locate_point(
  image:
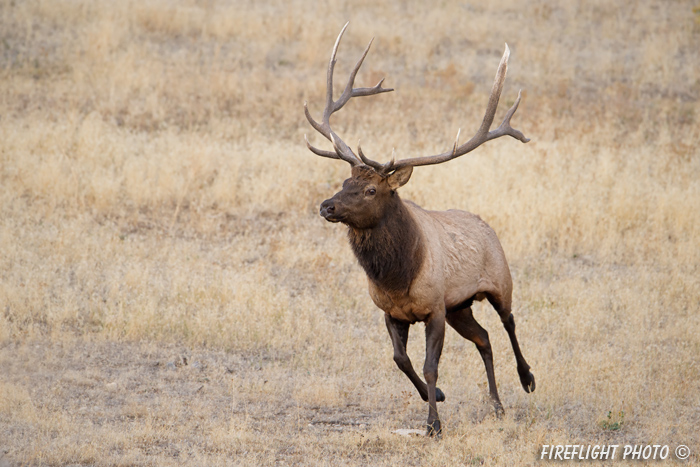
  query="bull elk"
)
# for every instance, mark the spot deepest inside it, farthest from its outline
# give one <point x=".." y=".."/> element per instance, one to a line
<point x="421" y="265"/>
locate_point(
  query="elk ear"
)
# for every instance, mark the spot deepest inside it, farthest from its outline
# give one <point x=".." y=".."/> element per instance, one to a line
<point x="400" y="177"/>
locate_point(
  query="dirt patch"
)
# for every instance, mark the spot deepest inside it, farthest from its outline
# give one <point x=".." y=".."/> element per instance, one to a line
<point x="96" y="403"/>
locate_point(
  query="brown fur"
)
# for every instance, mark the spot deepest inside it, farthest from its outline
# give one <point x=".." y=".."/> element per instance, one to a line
<point x="391" y="253"/>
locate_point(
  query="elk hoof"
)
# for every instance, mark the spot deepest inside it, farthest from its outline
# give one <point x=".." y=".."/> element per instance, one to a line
<point x="434" y="429"/>
<point x="498" y="408"/>
<point x="439" y="396"/>
<point x="527" y="379"/>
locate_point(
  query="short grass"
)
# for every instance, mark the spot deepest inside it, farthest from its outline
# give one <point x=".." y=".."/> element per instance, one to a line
<point x="169" y="294"/>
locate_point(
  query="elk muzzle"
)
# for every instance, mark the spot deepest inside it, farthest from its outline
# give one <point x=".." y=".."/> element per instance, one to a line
<point x="328" y="211"/>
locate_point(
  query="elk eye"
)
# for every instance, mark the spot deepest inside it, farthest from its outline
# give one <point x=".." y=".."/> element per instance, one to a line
<point x="371" y="192"/>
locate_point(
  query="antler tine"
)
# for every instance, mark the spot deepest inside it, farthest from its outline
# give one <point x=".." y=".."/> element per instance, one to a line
<point x="320" y="152"/>
<point x="329" y="77"/>
<point x="483" y="134"/>
<point x="505" y="129"/>
<point x="381" y="168"/>
<point x="317" y="126"/>
<point x="495" y="93"/>
<point x="358" y="92"/>
<point x="454" y="148"/>
<point x="327" y="132"/>
<point x="362" y="155"/>
<point x="343" y="150"/>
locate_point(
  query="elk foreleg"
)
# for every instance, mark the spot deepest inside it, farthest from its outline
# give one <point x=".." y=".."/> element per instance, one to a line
<point x="398" y="331"/>
<point x="434" y="338"/>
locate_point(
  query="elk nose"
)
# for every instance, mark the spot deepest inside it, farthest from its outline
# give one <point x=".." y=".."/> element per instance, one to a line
<point x="327" y="208"/>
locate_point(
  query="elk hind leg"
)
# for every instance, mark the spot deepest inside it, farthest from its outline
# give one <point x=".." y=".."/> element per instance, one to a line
<point x="527" y="379"/>
<point x="462" y="320"/>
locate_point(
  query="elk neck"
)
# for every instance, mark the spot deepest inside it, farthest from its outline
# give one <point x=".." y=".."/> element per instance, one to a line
<point x="391" y="253"/>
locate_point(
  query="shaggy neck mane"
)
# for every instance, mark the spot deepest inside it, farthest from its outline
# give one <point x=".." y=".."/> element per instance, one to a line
<point x="390" y="253"/>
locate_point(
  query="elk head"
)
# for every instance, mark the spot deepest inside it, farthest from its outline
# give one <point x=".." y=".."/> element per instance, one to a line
<point x="371" y="190"/>
<point x="365" y="197"/>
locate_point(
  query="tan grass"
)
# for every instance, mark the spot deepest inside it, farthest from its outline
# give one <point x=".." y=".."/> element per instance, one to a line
<point x="155" y="191"/>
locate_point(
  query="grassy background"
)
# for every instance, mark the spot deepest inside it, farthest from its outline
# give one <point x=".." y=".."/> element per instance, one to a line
<point x="157" y="199"/>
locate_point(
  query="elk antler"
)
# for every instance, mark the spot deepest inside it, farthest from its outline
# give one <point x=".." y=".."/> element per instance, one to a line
<point x="482" y="135"/>
<point x="342" y="151"/>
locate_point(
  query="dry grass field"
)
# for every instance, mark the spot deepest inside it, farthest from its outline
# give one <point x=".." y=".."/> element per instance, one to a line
<point x="170" y="296"/>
